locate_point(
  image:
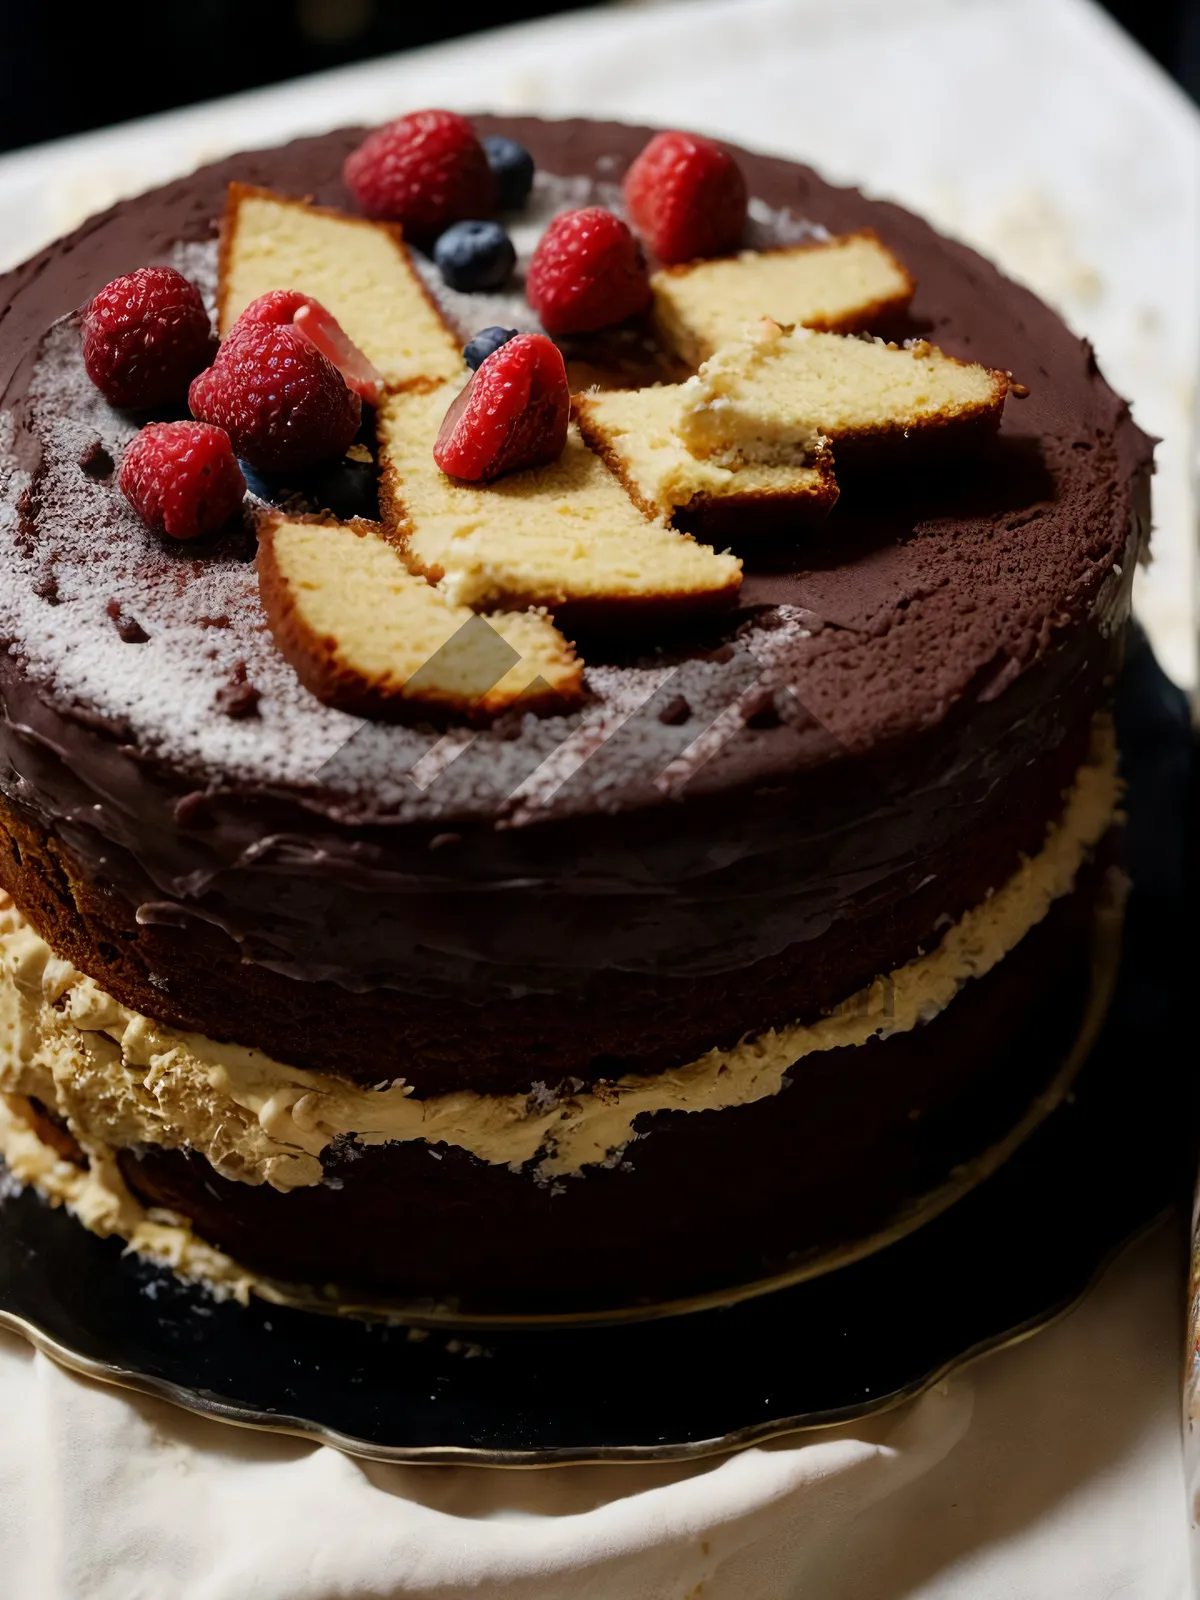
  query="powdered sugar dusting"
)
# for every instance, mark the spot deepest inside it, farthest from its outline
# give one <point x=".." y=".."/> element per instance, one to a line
<point x="84" y="563"/>
<point x="769" y="228"/>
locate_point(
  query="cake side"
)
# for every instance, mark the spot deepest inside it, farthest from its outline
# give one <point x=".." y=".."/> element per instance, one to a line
<point x="222" y="1135"/>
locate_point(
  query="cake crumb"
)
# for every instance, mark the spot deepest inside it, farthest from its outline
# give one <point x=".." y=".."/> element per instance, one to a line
<point x="129" y="628"/>
<point x="239" y="697"/>
<point x="95" y="460"/>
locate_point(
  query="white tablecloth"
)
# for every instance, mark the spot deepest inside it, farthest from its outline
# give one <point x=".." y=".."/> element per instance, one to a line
<point x="1047" y="1472"/>
<point x="1050" y="1471"/>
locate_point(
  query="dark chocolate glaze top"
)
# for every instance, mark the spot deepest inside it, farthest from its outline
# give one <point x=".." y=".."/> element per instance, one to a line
<point x="930" y="641"/>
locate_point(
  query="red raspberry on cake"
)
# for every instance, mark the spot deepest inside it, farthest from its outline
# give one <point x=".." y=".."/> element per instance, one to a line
<point x="686" y="197"/>
<point x="145" y="337"/>
<point x="512" y="414"/>
<point x="182" y="478"/>
<point x="425" y="171"/>
<point x="587" y="273"/>
<point x="290" y="308"/>
<point x="284" y="405"/>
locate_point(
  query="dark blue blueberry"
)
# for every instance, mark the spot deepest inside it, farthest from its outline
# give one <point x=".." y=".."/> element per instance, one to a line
<point x="344" y="487"/>
<point x="265" y="488"/>
<point x="512" y="166"/>
<point x="475" y="255"/>
<point x="477" y="350"/>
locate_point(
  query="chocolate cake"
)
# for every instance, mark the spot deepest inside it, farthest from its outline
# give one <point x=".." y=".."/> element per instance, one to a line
<point x="661" y="996"/>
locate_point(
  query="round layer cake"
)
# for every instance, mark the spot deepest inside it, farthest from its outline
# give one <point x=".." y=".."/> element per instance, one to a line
<point x="641" y="1002"/>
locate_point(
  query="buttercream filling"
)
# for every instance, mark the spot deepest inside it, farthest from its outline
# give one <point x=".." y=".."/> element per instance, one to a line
<point x="119" y="1079"/>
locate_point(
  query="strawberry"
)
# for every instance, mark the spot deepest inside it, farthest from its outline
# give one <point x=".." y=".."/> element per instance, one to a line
<point x="284" y="405"/>
<point x="182" y="478"/>
<point x="587" y="273"/>
<point x="290" y="308"/>
<point x="686" y="197"/>
<point x="278" y="307"/>
<point x="425" y="171"/>
<point x="512" y="414"/>
<point x="145" y="337"/>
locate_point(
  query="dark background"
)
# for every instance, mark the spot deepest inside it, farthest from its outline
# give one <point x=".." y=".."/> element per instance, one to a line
<point x="68" y="67"/>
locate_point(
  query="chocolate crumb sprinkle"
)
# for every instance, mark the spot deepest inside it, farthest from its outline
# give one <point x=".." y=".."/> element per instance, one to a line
<point x="675" y="712"/>
<point x="760" y="711"/>
<point x="238" y="698"/>
<point x="95" y="460"/>
<point x="128" y="628"/>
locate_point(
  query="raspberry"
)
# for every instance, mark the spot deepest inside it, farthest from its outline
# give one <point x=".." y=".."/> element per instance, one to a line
<point x="425" y="171"/>
<point x="182" y="478"/>
<point x="145" y="337"/>
<point x="587" y="273"/>
<point x="288" y="307"/>
<point x="686" y="197"/>
<point x="284" y="404"/>
<point x="512" y="414"/>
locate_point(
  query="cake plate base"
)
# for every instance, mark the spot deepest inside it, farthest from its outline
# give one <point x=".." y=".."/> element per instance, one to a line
<point x="1005" y="1260"/>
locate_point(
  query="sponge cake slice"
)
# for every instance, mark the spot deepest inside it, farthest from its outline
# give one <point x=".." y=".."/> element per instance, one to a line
<point x="634" y="430"/>
<point x="365" y="634"/>
<point x="768" y="396"/>
<point x="565" y="536"/>
<point x="360" y="271"/>
<point x="842" y="285"/>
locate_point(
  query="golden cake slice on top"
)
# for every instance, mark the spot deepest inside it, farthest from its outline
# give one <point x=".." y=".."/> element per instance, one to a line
<point x="360" y="271"/>
<point x="841" y="285"/>
<point x="565" y="536"/>
<point x="772" y="395"/>
<point x="368" y="636"/>
<point x="635" y="431"/>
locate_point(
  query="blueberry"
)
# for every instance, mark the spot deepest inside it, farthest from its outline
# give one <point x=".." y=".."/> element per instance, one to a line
<point x="345" y="487"/>
<point x="475" y="255"/>
<point x="512" y="167"/>
<point x="476" y="352"/>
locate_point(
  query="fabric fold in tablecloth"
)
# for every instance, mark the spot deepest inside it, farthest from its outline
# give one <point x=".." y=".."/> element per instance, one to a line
<point x="1049" y="1471"/>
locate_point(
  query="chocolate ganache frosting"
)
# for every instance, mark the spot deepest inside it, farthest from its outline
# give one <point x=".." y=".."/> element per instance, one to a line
<point x="742" y="828"/>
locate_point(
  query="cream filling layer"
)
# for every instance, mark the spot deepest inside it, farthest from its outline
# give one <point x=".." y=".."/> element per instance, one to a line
<point x="120" y="1079"/>
<point x="99" y="1198"/>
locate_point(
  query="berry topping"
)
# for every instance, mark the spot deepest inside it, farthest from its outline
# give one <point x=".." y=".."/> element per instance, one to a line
<point x="475" y="255"/>
<point x="477" y="350"/>
<point x="288" y="307"/>
<point x="512" y="168"/>
<point x="145" y="337"/>
<point x="587" y="272"/>
<point x="686" y="197"/>
<point x="512" y="414"/>
<point x="425" y="171"/>
<point x="283" y="403"/>
<point x="181" y="478"/>
<point x="278" y="308"/>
